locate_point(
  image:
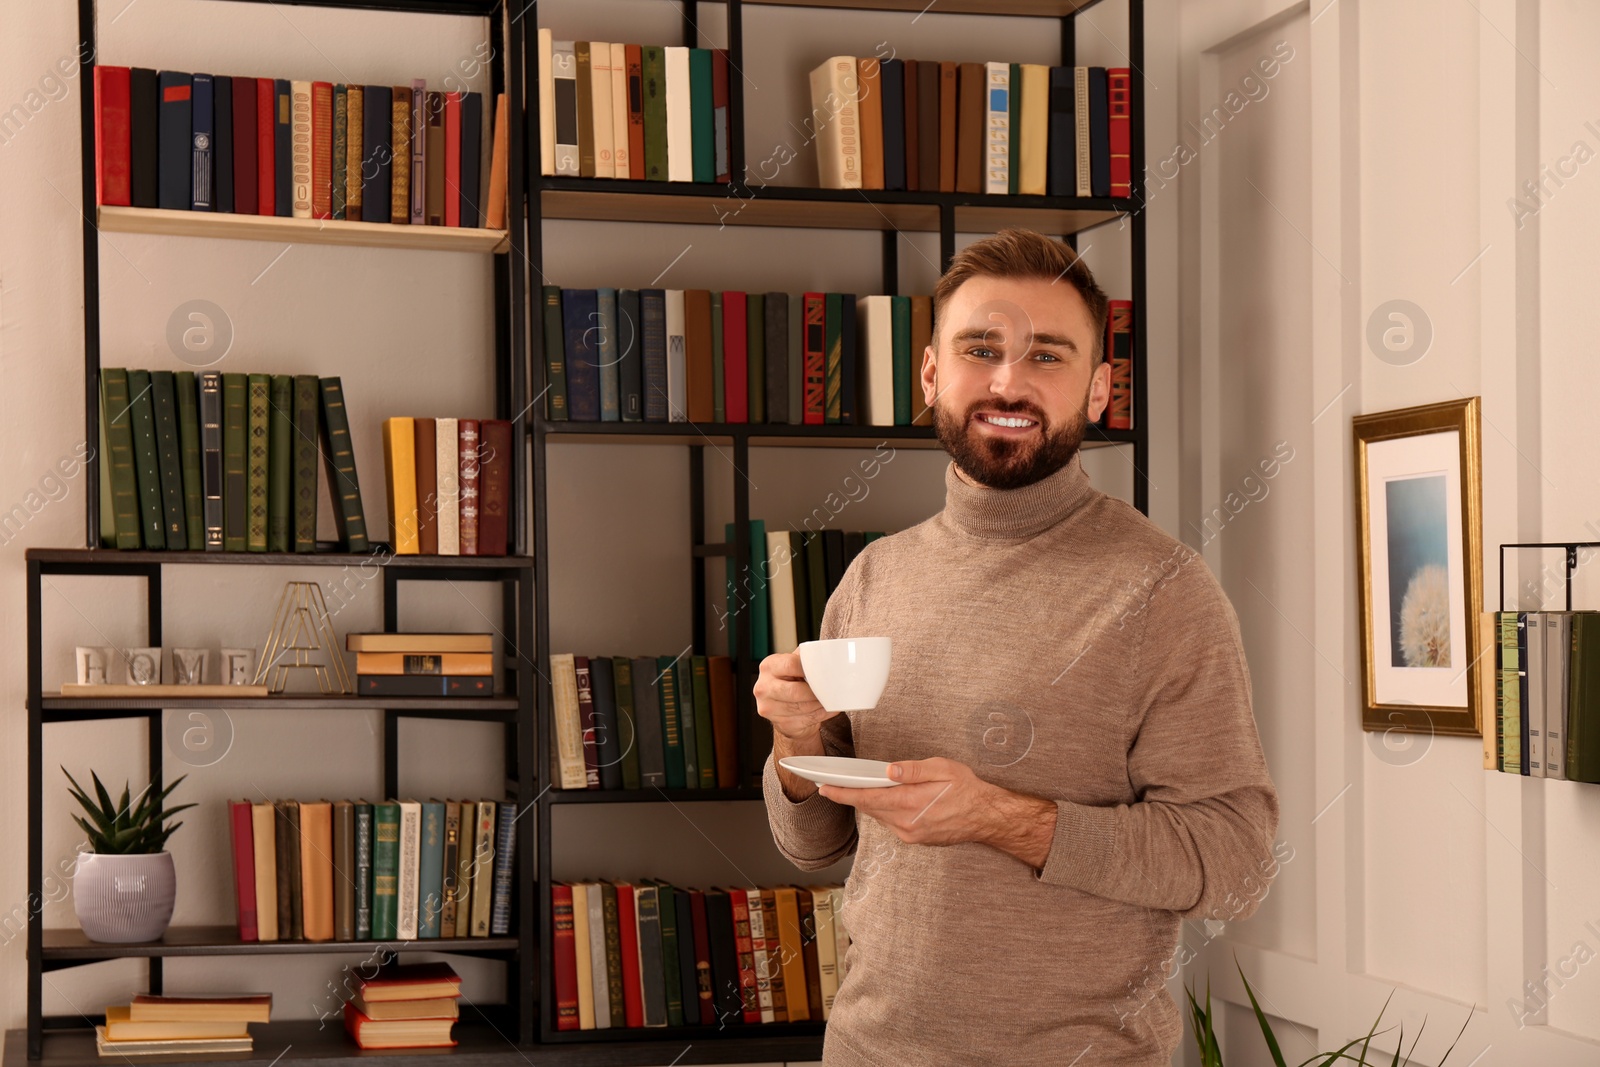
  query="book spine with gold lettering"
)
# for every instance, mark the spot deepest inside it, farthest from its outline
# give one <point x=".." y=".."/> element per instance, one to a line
<point x="305" y="462"/>
<point x="322" y="150"/>
<point x="339" y="452"/>
<point x="259" y="400"/>
<point x="280" y="465"/>
<point x="400" y="175"/>
<point x="300" y="119"/>
<point x="385" y="870"/>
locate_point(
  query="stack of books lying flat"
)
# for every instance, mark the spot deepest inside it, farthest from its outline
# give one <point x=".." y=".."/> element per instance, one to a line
<point x="153" y="1025"/>
<point x="405" y="1006"/>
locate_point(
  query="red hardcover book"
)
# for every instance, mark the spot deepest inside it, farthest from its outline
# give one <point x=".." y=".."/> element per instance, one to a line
<point x="719" y="108"/>
<point x="494" y="487"/>
<point x="452" y="161"/>
<point x="815" y="359"/>
<point x="322" y="150"/>
<point x="410" y="981"/>
<point x="635" y="112"/>
<point x="747" y="955"/>
<point x="429" y="1033"/>
<point x="565" y="958"/>
<point x="1119" y="350"/>
<point x="628" y="926"/>
<point x="735" y="358"/>
<point x="113" y="168"/>
<point x="245" y="106"/>
<point x="702" y="959"/>
<point x="1119" y="93"/>
<point x="467" y="432"/>
<point x="266" y="172"/>
<point x="591" y="747"/>
<point x="242" y="837"/>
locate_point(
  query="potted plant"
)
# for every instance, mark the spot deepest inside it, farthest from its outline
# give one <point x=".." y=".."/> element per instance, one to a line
<point x="124" y="888"/>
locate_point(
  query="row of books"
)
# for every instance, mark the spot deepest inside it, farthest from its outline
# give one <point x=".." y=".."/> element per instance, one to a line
<point x="153" y="1025"/>
<point x="412" y="1005"/>
<point x="301" y="149"/>
<point x="423" y="665"/>
<point x="1003" y="128"/>
<point x="649" y="954"/>
<point x="223" y="462"/>
<point x="698" y="355"/>
<point x="450" y="485"/>
<point x="644" y="112"/>
<point x="350" y="870"/>
<point x="785" y="590"/>
<point x="1546" y="693"/>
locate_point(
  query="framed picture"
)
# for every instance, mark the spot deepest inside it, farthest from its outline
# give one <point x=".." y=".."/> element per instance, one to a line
<point x="1419" y="513"/>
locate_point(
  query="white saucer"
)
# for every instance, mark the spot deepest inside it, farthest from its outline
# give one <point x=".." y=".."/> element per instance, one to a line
<point x="841" y="770"/>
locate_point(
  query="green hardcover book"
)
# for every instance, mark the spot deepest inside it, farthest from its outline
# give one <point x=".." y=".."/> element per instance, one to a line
<point x="189" y="443"/>
<point x="719" y="401"/>
<point x="108" y="515"/>
<point x="683" y="679"/>
<point x="430" y="870"/>
<point x="341" y="147"/>
<point x="756" y="355"/>
<point x="613" y="942"/>
<point x="803" y="629"/>
<point x="280" y="466"/>
<point x="671" y="738"/>
<point x="669" y="954"/>
<point x="259" y="400"/>
<point x="169" y="458"/>
<point x="235" y="435"/>
<point x="869" y="536"/>
<point x="385" y="871"/>
<point x="146" y="461"/>
<point x="1511" y="705"/>
<point x="833" y="377"/>
<point x="705" y="749"/>
<point x="622" y="669"/>
<point x="1583" y="699"/>
<point x="735" y="603"/>
<point x="1014" y="128"/>
<point x="120" y="458"/>
<point x="702" y="116"/>
<point x="653" y="66"/>
<point x="306" y="402"/>
<point x="555" y="356"/>
<point x="760" y="617"/>
<point x="817" y="578"/>
<point x="340" y="456"/>
<point x="900" y="331"/>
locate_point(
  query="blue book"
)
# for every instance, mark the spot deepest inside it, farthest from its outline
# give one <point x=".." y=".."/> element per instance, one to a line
<point x="579" y="315"/>
<point x="430" y="870"/>
<point x="222" y="143"/>
<point x="607" y="354"/>
<point x="630" y="355"/>
<point x="653" y="334"/>
<point x="174" y="122"/>
<point x="282" y="149"/>
<point x="1099" y="133"/>
<point x="683" y="679"/>
<point x="377" y="151"/>
<point x="505" y="851"/>
<point x="200" y="125"/>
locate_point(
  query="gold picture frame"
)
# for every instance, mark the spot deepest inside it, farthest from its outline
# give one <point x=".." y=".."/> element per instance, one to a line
<point x="1421" y="567"/>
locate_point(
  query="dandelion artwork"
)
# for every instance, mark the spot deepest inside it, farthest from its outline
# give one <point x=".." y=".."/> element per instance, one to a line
<point x="1419" y="574"/>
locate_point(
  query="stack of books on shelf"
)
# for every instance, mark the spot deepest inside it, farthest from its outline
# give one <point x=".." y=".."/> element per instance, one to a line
<point x="644" y="112"/>
<point x="648" y="953"/>
<point x="405" y="1006"/>
<point x="223" y="462"/>
<point x="450" y="485"/>
<point x="1000" y="128"/>
<point x="159" y="1025"/>
<point x="1544" y="688"/>
<point x="423" y="665"/>
<point x="300" y="149"/>
<point x="350" y="870"/>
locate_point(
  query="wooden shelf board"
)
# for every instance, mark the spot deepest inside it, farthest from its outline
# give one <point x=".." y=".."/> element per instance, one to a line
<point x="1026" y="8"/>
<point x="650" y="795"/>
<point x="299" y="231"/>
<point x="289" y="701"/>
<point x="380" y="557"/>
<point x="768" y="436"/>
<point x="72" y="944"/>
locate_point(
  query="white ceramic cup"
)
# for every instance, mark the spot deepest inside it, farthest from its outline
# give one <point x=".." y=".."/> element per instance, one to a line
<point x="846" y="674"/>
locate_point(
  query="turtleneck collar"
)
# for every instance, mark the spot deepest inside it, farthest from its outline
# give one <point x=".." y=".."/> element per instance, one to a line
<point x="1014" y="514"/>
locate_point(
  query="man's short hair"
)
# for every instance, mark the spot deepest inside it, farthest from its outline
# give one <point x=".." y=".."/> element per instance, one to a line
<point x="1015" y="253"/>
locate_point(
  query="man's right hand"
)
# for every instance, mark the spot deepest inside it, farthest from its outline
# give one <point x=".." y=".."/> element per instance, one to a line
<point x="784" y="699"/>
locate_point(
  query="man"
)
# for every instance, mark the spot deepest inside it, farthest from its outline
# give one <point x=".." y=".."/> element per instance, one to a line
<point x="1068" y="712"/>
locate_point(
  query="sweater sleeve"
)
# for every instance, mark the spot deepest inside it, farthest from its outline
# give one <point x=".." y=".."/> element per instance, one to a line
<point x="1198" y="841"/>
<point x="817" y="833"/>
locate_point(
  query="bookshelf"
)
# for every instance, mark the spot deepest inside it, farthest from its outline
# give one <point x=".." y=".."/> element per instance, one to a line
<point x="756" y="206"/>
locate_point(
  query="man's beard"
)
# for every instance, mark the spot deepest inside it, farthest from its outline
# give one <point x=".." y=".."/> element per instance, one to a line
<point x="1000" y="463"/>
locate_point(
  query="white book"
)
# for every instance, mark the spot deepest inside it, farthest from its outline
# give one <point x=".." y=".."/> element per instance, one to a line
<point x="827" y="958"/>
<point x="875" y="356"/>
<point x="580" y="931"/>
<point x="780" y="586"/>
<point x="1034" y="118"/>
<point x="619" y="109"/>
<point x="677" y="360"/>
<point x="547" y="105"/>
<point x="300" y="147"/>
<point x="569" y="728"/>
<point x="1535" y="667"/>
<point x="600" y="111"/>
<point x="841" y="936"/>
<point x="447" y="491"/>
<point x="763" y="961"/>
<point x="997" y="129"/>
<point x="410" y="854"/>
<point x="680" y="125"/>
<point x="835" y="123"/>
<point x="1558" y="651"/>
<point x="1080" y="127"/>
<point x="597" y="957"/>
<point x="564" y="120"/>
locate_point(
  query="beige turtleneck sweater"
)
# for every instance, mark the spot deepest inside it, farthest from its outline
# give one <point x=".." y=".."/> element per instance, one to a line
<point x="1063" y="646"/>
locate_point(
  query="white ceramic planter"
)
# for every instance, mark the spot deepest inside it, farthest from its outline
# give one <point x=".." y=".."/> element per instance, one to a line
<point x="121" y="899"/>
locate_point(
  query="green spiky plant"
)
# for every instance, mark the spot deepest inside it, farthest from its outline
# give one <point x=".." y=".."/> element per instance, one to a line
<point x="124" y="828"/>
<point x="1211" y="1056"/>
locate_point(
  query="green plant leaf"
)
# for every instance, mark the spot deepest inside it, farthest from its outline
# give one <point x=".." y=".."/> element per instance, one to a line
<point x="1457" y="1041"/>
<point x="105" y="798"/>
<point x="1261" y="1018"/>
